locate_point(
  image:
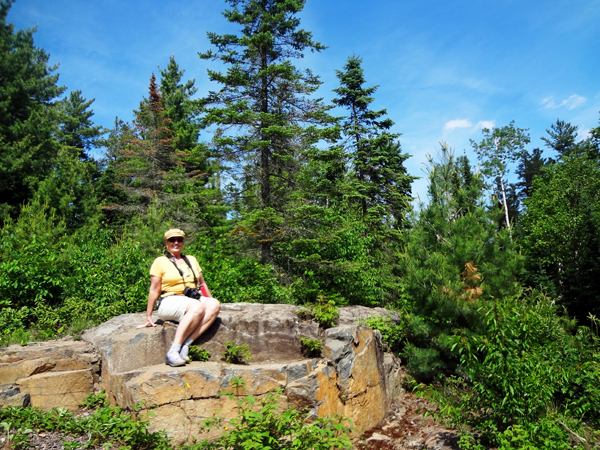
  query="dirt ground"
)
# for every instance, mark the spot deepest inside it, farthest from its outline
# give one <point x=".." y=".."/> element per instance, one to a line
<point x="406" y="427"/>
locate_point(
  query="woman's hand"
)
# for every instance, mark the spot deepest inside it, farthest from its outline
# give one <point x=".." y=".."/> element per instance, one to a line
<point x="155" y="286"/>
<point x="148" y="323"/>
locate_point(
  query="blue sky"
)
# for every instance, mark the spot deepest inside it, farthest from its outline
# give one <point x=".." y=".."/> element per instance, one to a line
<point x="444" y="68"/>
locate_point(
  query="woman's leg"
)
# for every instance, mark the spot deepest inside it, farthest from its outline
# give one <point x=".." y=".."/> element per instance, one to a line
<point x="191" y="320"/>
<point x="212" y="307"/>
<point x="198" y="317"/>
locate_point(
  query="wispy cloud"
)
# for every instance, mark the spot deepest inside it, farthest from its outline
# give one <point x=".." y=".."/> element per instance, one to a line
<point x="489" y="124"/>
<point x="466" y="123"/>
<point x="570" y="103"/>
<point x="458" y="123"/>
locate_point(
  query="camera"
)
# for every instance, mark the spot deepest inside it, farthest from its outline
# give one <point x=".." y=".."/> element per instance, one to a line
<point x="192" y="293"/>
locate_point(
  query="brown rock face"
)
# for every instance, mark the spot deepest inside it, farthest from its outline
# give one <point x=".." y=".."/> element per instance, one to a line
<point x="58" y="389"/>
<point x="48" y="374"/>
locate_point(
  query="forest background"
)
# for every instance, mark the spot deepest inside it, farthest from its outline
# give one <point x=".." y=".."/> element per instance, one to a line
<point x="298" y="200"/>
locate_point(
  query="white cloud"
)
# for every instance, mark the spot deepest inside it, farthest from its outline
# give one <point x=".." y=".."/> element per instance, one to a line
<point x="489" y="124"/>
<point x="570" y="103"/>
<point x="458" y="123"/>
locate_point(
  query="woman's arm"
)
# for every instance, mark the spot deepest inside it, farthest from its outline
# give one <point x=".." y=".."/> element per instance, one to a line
<point x="202" y="282"/>
<point x="155" y="288"/>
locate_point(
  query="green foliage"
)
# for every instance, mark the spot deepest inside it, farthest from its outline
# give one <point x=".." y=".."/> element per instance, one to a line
<point x="61" y="282"/>
<point x="562" y="233"/>
<point x="236" y="354"/>
<point x="197" y="353"/>
<point x="311" y="347"/>
<point x="235" y="277"/>
<point x="325" y="312"/>
<point x="268" y="102"/>
<point x="14" y="438"/>
<point x="107" y="426"/>
<point x="95" y="400"/>
<point x="525" y="379"/>
<point x="28" y="118"/>
<point x="393" y="334"/>
<point x="380" y="184"/>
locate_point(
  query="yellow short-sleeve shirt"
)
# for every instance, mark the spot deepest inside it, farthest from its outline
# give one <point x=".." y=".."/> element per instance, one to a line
<point x="172" y="283"/>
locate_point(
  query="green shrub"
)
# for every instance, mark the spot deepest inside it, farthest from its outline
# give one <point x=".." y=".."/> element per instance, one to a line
<point x="197" y="353"/>
<point x="105" y="426"/>
<point x="326" y="313"/>
<point x="236" y="354"/>
<point x="311" y="347"/>
<point x="393" y="335"/>
<point x="524" y="376"/>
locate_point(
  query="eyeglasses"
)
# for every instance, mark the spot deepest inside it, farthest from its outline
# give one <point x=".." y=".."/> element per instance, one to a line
<point x="176" y="239"/>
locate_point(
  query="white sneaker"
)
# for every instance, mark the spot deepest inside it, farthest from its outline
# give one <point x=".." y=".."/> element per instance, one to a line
<point x="174" y="360"/>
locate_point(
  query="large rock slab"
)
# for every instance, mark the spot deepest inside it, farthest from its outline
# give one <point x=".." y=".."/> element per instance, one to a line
<point x="18" y="361"/>
<point x="353" y="377"/>
<point x="49" y="374"/>
<point x="58" y="389"/>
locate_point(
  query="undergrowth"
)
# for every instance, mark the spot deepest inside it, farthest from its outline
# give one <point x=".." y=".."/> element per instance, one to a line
<point x="258" y="425"/>
<point x="107" y="426"/>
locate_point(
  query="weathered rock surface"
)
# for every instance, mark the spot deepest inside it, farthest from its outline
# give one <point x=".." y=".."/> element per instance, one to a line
<point x="353" y="377"/>
<point x="48" y="374"/>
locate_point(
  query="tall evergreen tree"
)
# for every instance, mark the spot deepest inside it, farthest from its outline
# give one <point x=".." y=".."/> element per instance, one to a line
<point x="179" y="106"/>
<point x="76" y="127"/>
<point x="265" y="102"/>
<point x="28" y="117"/>
<point x="455" y="260"/>
<point x="382" y="184"/>
<point x="562" y="233"/>
<point x="148" y="158"/>
<point x="530" y="166"/>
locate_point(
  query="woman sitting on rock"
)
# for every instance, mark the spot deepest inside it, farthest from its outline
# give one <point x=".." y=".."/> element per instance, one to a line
<point x="170" y="275"/>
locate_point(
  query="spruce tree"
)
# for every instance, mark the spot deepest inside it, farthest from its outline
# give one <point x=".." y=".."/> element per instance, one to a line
<point x="76" y="127"/>
<point x="180" y="108"/>
<point x="264" y="113"/>
<point x="382" y="185"/>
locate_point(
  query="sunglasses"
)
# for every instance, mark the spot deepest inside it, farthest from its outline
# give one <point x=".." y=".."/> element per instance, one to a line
<point x="176" y="239"/>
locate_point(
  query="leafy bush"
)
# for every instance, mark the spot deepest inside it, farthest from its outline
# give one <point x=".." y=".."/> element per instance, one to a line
<point x="106" y="426"/>
<point x="311" y="347"/>
<point x="326" y="313"/>
<point x="393" y="335"/>
<point x="523" y="376"/>
<point x="236" y="354"/>
<point x="197" y="353"/>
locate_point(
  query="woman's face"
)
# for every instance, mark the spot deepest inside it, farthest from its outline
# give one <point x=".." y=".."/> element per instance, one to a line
<point x="175" y="244"/>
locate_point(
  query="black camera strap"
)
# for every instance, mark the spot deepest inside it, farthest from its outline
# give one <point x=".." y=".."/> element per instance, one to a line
<point x="187" y="261"/>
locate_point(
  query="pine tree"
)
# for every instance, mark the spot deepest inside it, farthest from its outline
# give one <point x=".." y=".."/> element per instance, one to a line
<point x="265" y="102"/>
<point x="179" y="107"/>
<point x="455" y="260"/>
<point x="28" y="117"/>
<point x="147" y="159"/>
<point x="562" y="138"/>
<point x="530" y="166"/>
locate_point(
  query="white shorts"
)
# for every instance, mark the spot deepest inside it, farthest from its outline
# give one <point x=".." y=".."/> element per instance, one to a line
<point x="173" y="307"/>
